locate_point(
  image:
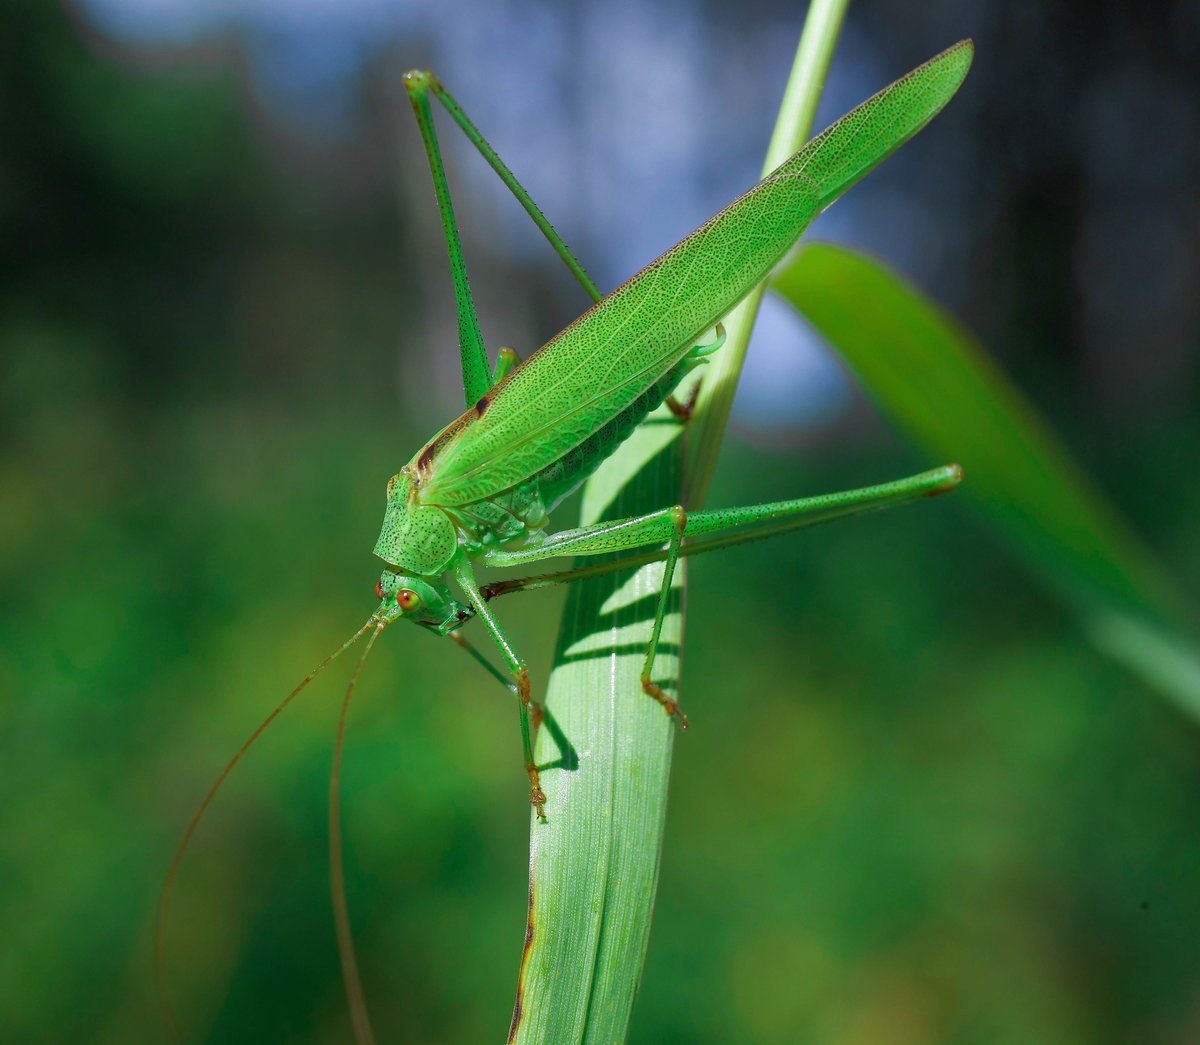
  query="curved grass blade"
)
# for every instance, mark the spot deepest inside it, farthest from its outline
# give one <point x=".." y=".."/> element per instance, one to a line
<point x="593" y="871"/>
<point x="605" y="752"/>
<point x="936" y="382"/>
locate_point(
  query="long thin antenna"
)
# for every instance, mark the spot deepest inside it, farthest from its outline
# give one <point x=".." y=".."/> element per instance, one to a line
<point x="164" y="898"/>
<point x="359" y="1017"/>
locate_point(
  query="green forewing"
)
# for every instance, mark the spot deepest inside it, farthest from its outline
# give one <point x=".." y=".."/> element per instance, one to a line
<point x="598" y="365"/>
<point x="848" y="150"/>
<point x="609" y="356"/>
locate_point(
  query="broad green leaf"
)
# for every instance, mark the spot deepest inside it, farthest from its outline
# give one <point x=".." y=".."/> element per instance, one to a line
<point x="936" y="383"/>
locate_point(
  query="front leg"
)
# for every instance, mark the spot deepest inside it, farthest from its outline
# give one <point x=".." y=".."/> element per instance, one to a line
<point x="461" y="642"/>
<point x="526" y="707"/>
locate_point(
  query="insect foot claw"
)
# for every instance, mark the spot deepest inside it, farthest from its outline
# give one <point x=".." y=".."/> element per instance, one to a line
<point x="670" y="704"/>
<point x="537" y="799"/>
<point x="683" y="411"/>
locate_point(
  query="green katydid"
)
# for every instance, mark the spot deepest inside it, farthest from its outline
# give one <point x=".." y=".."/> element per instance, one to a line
<point x="481" y="490"/>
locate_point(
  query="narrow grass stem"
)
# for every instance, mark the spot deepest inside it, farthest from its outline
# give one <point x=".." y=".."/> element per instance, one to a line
<point x="793" y="127"/>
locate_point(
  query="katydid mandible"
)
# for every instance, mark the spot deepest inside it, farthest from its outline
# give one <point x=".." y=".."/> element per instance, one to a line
<point x="482" y="489"/>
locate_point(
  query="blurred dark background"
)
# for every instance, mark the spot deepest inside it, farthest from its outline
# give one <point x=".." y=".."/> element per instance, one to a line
<point x="916" y="807"/>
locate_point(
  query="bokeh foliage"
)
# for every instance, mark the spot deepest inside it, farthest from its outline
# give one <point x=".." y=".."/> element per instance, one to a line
<point x="927" y="810"/>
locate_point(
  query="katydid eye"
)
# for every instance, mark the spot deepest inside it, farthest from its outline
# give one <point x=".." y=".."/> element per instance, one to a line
<point x="379" y="589"/>
<point x="407" y="599"/>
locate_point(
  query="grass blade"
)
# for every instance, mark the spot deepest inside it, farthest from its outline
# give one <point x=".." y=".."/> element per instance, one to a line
<point x="937" y="384"/>
<point x="594" y="867"/>
<point x="607" y="752"/>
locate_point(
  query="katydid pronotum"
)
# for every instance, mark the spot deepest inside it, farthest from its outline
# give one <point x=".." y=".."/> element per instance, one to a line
<point x="481" y="490"/>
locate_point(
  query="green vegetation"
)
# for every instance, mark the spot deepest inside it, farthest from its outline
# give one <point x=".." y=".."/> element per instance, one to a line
<point x="914" y="803"/>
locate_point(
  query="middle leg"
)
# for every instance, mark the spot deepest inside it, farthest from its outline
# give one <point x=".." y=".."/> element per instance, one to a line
<point x="649" y="686"/>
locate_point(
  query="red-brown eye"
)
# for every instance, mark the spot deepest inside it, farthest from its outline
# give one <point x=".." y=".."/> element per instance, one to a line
<point x="379" y="589"/>
<point x="407" y="599"/>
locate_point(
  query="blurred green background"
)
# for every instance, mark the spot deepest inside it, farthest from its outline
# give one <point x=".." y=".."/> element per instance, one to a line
<point x="914" y="805"/>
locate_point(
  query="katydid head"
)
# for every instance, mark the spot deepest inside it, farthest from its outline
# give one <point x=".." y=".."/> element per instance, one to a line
<point x="422" y="600"/>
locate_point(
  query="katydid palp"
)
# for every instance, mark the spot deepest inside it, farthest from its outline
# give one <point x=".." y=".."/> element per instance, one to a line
<point x="481" y="491"/>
